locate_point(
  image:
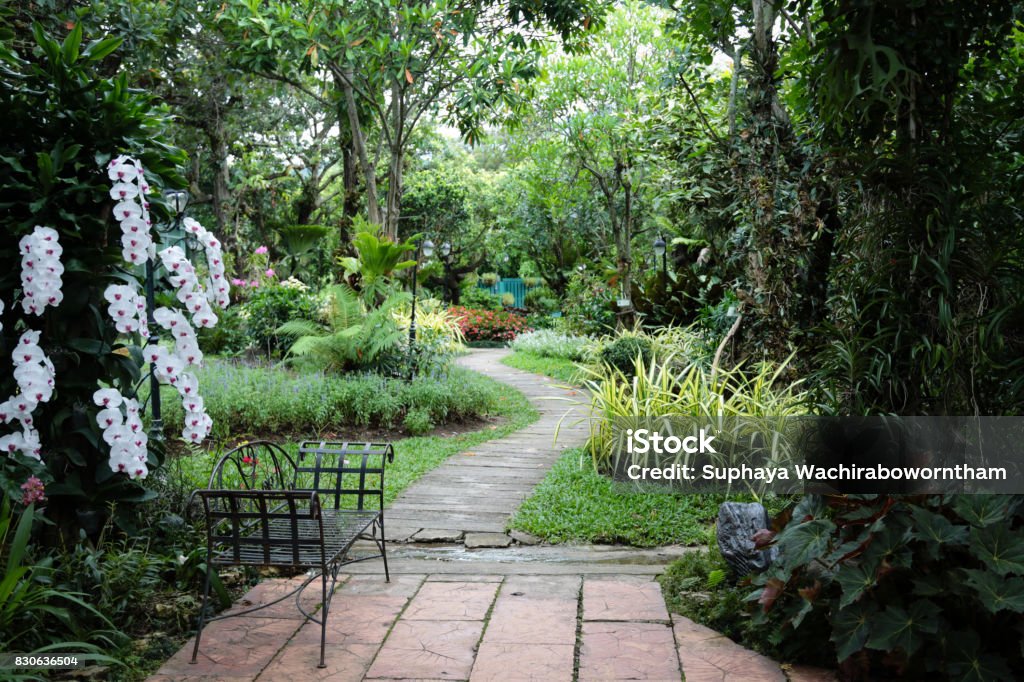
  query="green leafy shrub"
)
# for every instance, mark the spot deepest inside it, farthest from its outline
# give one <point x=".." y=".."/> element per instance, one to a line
<point x="479" y="298"/>
<point x="418" y="421"/>
<point x="541" y="299"/>
<point x="508" y="299"/>
<point x="552" y="344"/>
<point x="665" y="387"/>
<point x="248" y="401"/>
<point x="229" y="337"/>
<point x="490" y="278"/>
<point x="624" y="351"/>
<point x="916" y="587"/>
<point x="33" y="612"/>
<point x="589" y="305"/>
<point x="269" y="307"/>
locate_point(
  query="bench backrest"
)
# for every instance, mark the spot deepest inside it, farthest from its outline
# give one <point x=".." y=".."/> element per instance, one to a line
<point x="346" y="475"/>
<point x="259" y="465"/>
<point x="263" y="527"/>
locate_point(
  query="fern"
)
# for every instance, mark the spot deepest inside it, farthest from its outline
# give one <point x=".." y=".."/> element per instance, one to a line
<point x="353" y="338"/>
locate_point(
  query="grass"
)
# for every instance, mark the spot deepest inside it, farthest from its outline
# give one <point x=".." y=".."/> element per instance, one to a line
<point x="576" y="504"/>
<point x="413" y="456"/>
<point x="556" y="368"/>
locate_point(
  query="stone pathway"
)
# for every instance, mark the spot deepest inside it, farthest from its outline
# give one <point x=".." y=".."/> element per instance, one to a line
<point x="468" y="606"/>
<point x="471" y="496"/>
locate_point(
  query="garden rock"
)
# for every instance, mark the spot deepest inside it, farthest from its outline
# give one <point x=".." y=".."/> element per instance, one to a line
<point x="737" y="523"/>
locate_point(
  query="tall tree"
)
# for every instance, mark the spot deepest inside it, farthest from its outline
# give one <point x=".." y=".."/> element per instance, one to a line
<point x="394" y="62"/>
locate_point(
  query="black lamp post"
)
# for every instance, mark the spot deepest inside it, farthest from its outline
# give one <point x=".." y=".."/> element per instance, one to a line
<point x="446" y="260"/>
<point x="661" y="251"/>
<point x="177" y="200"/>
<point x="427" y="250"/>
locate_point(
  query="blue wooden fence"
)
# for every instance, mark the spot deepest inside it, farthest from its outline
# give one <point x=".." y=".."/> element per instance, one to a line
<point x="509" y="285"/>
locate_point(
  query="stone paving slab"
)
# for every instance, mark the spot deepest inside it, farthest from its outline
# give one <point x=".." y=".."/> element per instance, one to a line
<point x="627" y="651"/>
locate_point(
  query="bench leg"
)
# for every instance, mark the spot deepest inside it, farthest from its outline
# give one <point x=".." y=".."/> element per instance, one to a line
<point x="326" y="605"/>
<point x="383" y="549"/>
<point x="202" y="613"/>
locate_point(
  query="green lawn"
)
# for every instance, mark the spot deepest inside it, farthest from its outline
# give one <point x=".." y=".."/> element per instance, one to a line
<point x="576" y="504"/>
<point x="557" y="368"/>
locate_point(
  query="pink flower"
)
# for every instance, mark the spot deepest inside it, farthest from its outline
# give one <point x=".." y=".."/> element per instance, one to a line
<point x="269" y="272"/>
<point x="238" y="282"/>
<point x="255" y="283"/>
<point x="33" y="491"/>
<point x="261" y="250"/>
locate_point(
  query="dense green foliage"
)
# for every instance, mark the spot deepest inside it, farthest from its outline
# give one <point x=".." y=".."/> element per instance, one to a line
<point x="912" y="586"/>
<point x="267" y="308"/>
<point x="253" y="401"/>
<point x="548" y="343"/>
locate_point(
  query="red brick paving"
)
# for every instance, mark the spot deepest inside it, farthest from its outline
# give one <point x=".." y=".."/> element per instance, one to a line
<point x="480" y="628"/>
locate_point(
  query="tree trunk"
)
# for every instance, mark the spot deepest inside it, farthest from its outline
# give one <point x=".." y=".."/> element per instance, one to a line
<point x="394" y="197"/>
<point x="358" y="137"/>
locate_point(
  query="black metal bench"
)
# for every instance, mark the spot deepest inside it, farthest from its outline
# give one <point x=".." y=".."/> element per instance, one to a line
<point x="265" y="508"/>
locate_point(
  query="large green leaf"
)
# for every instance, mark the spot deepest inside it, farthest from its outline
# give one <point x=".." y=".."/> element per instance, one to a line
<point x="805" y="542"/>
<point x="997" y="593"/>
<point x="853" y="580"/>
<point x="983" y="510"/>
<point x="968" y="662"/>
<point x="999" y="547"/>
<point x="851" y="628"/>
<point x="935" y="530"/>
<point x="897" y="627"/>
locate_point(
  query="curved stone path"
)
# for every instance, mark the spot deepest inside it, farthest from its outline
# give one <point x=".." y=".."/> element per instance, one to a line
<point x="464" y="605"/>
<point x="471" y="496"/>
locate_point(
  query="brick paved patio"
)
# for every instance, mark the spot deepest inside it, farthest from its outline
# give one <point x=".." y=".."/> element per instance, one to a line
<point x="476" y="627"/>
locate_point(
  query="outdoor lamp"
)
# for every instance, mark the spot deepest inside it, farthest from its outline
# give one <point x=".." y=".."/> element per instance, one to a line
<point x="177" y="199"/>
<point x="661" y="252"/>
<point x="659" y="247"/>
<point x="446" y="250"/>
<point x="428" y="249"/>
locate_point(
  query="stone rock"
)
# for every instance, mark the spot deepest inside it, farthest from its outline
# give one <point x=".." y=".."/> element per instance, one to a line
<point x="737" y="523"/>
<point x="437" y="535"/>
<point x="486" y="540"/>
<point x="525" y="538"/>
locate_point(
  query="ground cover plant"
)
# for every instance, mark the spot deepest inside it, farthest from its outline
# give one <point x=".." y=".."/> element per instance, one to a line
<point x="557" y="368"/>
<point x="575" y="503"/>
<point x="247" y="401"/>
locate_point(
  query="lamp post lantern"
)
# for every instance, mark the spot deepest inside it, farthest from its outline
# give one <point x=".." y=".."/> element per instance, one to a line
<point x="427" y="250"/>
<point x="445" y="250"/>
<point x="177" y="201"/>
<point x="661" y="251"/>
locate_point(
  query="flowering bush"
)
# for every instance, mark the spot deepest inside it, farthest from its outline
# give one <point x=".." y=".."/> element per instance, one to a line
<point x="488" y="325"/>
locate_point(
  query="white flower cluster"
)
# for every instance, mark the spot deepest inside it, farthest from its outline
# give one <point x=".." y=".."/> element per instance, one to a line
<point x="41" y="270"/>
<point x="183" y="277"/>
<point x="132" y="210"/>
<point x="292" y="283"/>
<point x="127" y="308"/>
<point x="128" y="450"/>
<point x="216" y="286"/>
<point x="35" y="376"/>
<point x="123" y="432"/>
